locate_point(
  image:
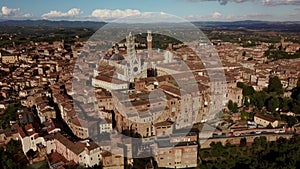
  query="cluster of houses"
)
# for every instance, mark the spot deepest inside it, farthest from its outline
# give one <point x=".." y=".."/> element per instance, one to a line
<point x="119" y="96"/>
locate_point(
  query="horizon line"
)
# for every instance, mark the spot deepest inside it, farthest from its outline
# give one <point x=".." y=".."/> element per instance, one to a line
<point x="112" y="21"/>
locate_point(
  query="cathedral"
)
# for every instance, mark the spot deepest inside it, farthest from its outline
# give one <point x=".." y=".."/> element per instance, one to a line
<point x="131" y="66"/>
<point x="134" y="64"/>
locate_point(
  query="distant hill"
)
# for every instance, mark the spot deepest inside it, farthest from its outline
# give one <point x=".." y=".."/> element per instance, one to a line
<point x="255" y="25"/>
<point x="48" y="23"/>
<point x="248" y="24"/>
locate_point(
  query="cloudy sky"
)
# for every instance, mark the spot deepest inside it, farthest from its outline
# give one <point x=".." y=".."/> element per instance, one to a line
<point x="194" y="10"/>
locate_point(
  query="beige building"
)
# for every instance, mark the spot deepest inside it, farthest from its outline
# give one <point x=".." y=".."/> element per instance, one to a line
<point x="164" y="128"/>
<point x="11" y="58"/>
<point x="29" y="138"/>
<point x="113" y="160"/>
<point x="236" y="95"/>
<point x="86" y="153"/>
<point x="109" y="83"/>
<point x="83" y="128"/>
<point x="265" y="120"/>
<point x="177" y="155"/>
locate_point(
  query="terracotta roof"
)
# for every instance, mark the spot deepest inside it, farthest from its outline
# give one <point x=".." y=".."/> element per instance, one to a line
<point x="76" y="148"/>
<point x="21" y="132"/>
<point x="109" y="79"/>
<point x="164" y="123"/>
<point x="27" y="130"/>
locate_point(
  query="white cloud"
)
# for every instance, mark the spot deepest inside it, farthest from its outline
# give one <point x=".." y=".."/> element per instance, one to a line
<point x="113" y="14"/>
<point x="26" y="15"/>
<point x="216" y="15"/>
<point x="222" y="2"/>
<point x="13" y="13"/>
<point x="281" y="2"/>
<point x="264" y="2"/>
<point x="9" y="11"/>
<point x="58" y="14"/>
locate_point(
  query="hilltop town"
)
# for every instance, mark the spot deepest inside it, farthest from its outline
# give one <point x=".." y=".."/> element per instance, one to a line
<point x="63" y="105"/>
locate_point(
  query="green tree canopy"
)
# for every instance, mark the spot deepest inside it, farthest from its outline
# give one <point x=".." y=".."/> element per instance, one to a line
<point x="230" y="105"/>
<point x="247" y="90"/>
<point x="233" y="107"/>
<point x="272" y="104"/>
<point x="259" y="99"/>
<point x="275" y="85"/>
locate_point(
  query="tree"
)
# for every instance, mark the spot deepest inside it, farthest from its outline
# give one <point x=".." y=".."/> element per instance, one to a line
<point x="11" y="164"/>
<point x="260" y="141"/>
<point x="246" y="115"/>
<point x="243" y="142"/>
<point x="275" y="85"/>
<point x="247" y="90"/>
<point x="217" y="148"/>
<point x="240" y="85"/>
<point x="272" y="104"/>
<point x="298" y="83"/>
<point x="295" y="92"/>
<point x="230" y="105"/>
<point x="285" y="104"/>
<point x="233" y="107"/>
<point x="296" y="107"/>
<point x="10" y="114"/>
<point x="247" y="101"/>
<point x="259" y="99"/>
<point x="13" y="146"/>
<point x="295" y="103"/>
<point x="30" y="153"/>
<point x="290" y="120"/>
<point x="244" y="53"/>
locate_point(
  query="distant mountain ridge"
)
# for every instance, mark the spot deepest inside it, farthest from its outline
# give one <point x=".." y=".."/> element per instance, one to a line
<point x="293" y="26"/>
<point x="48" y="23"/>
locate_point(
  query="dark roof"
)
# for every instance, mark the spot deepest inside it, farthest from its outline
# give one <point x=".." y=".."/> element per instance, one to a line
<point x="163" y="143"/>
<point x="116" y="57"/>
<point x="77" y="148"/>
<point x="265" y="117"/>
<point x="164" y="123"/>
<point x="184" y="134"/>
<point x="5" y="53"/>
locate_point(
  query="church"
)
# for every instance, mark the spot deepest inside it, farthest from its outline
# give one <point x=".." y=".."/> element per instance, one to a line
<point x="133" y="65"/>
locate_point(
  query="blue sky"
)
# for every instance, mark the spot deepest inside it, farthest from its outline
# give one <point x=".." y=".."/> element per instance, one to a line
<point x="200" y="10"/>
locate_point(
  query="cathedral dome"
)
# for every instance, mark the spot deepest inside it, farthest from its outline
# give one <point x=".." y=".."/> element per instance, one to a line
<point x="117" y="57"/>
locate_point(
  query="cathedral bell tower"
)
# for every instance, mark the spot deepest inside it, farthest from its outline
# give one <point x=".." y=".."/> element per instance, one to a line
<point x="133" y="61"/>
<point x="149" y="45"/>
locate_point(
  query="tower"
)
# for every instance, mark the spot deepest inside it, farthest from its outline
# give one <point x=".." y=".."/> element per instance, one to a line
<point x="134" y="62"/>
<point x="149" y="45"/>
